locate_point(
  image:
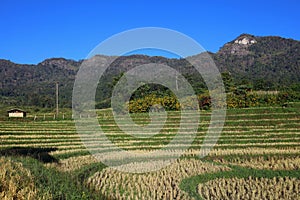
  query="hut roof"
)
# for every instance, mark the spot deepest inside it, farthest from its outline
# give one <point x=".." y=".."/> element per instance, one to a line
<point x="15" y="109"/>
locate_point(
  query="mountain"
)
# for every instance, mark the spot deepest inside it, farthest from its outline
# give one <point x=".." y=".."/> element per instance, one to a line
<point x="23" y="84"/>
<point x="267" y="63"/>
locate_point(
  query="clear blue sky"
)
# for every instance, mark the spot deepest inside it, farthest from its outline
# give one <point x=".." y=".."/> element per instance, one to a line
<point x="32" y="31"/>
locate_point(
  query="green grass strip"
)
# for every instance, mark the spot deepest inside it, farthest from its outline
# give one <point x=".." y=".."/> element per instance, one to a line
<point x="190" y="184"/>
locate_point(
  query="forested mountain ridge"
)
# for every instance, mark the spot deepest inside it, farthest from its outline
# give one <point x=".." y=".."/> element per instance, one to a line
<point x="266" y="63"/>
<point x="23" y="84"/>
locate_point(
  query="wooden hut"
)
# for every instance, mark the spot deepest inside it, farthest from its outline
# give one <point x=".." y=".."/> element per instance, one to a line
<point x="15" y="112"/>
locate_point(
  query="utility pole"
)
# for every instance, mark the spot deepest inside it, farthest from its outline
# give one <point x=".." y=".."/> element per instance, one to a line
<point x="56" y="100"/>
<point x="176" y="81"/>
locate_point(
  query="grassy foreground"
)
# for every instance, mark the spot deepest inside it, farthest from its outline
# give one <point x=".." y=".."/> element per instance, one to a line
<point x="257" y="145"/>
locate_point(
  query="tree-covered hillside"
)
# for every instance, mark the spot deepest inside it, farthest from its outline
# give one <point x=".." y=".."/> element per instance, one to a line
<point x="268" y="63"/>
<point x="262" y="63"/>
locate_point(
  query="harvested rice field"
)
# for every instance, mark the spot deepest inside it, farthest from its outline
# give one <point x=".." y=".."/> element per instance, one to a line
<point x="257" y="156"/>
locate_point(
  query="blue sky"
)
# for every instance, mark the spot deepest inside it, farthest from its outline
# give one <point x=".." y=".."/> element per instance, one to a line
<point x="32" y="31"/>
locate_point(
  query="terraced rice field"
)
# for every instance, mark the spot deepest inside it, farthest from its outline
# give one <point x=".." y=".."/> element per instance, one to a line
<point x="262" y="143"/>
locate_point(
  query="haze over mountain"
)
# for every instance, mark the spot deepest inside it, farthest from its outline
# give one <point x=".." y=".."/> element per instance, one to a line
<point x="266" y="63"/>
